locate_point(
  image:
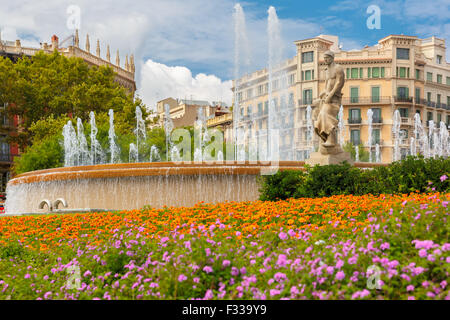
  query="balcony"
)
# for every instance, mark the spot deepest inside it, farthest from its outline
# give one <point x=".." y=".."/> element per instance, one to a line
<point x="403" y="99"/>
<point x="304" y="102"/>
<point x="377" y="120"/>
<point x="354" y="121"/>
<point x="366" y="100"/>
<point x="406" y="121"/>
<point x="380" y="142"/>
<point x="7" y="157"/>
<point x="355" y="142"/>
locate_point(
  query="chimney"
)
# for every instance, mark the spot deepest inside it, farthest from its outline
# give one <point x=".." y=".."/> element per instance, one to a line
<point x="55" y="43"/>
<point x="18" y="45"/>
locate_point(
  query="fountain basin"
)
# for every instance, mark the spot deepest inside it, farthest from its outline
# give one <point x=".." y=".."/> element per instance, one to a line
<point x="133" y="185"/>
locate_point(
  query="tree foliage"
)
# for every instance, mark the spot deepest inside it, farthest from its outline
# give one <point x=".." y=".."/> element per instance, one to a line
<point x="54" y="85"/>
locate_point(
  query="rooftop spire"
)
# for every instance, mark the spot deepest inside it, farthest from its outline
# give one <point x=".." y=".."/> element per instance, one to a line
<point x="98" y="48"/>
<point x="88" y="46"/>
<point x="117" y="59"/>
<point x="108" y="55"/>
<point x="77" y="39"/>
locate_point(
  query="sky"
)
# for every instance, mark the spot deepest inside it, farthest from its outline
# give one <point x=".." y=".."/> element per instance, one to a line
<point x="185" y="48"/>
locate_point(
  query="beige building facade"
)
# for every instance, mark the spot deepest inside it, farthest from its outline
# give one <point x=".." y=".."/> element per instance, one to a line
<point x="400" y="72"/>
<point x="124" y="73"/>
<point x="185" y="112"/>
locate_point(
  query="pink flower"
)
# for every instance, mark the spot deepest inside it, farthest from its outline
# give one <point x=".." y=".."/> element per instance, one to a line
<point x="165" y="239"/>
<point x="352" y="260"/>
<point x="208" y="269"/>
<point x="340" y="275"/>
<point x="422" y="253"/>
<point x="443" y="178"/>
<point x="182" y="277"/>
<point x="282" y="235"/>
<point x="208" y="295"/>
<point x="27" y="276"/>
<point x="411" y="298"/>
<point x="234" y="271"/>
<point x="410" y="288"/>
<point x="274" y="292"/>
<point x="226" y="263"/>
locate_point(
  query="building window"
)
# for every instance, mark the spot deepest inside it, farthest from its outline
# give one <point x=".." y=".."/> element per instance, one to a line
<point x="417" y="96"/>
<point x="447" y="81"/>
<point x="355" y="137"/>
<point x="249" y="110"/>
<point x="274" y="84"/>
<point x="376" y="72"/>
<point x="429" y="96"/>
<point x="307" y="75"/>
<point x="448" y="101"/>
<point x="307" y="56"/>
<point x="404" y="112"/>
<point x="249" y="93"/>
<point x="375" y="136"/>
<point x="403" y="92"/>
<point x="291" y="79"/>
<point x="438" y="59"/>
<point x="307" y="96"/>
<point x="403" y="53"/>
<point x="291" y="100"/>
<point x="242" y="111"/>
<point x="417" y="74"/>
<point x="439" y="118"/>
<point x="429" y="116"/>
<point x="260" y="89"/>
<point x="260" y="108"/>
<point x="402" y="72"/>
<point x="354" y="95"/>
<point x="439" y="78"/>
<point x="376" y="115"/>
<point x="438" y="99"/>
<point x="354" y="74"/>
<point x="429" y="76"/>
<point x="375" y="94"/>
<point x="355" y="114"/>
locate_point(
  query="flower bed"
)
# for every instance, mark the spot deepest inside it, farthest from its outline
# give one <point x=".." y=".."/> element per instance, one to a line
<point x="340" y="247"/>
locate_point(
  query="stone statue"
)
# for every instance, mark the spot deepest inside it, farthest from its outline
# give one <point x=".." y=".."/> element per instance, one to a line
<point x="325" y="115"/>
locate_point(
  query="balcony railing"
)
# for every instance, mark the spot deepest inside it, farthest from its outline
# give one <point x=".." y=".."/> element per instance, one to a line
<point x="377" y="120"/>
<point x="403" y="99"/>
<point x="354" y="120"/>
<point x="7" y="157"/>
<point x="365" y="100"/>
<point x="306" y="102"/>
<point x="355" y="142"/>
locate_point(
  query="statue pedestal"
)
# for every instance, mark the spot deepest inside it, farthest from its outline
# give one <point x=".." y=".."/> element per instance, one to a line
<point x="325" y="159"/>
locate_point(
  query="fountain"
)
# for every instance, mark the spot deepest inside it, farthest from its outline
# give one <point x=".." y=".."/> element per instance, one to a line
<point x="377" y="153"/>
<point x="341" y="126"/>
<point x="113" y="147"/>
<point x="309" y="129"/>
<point x="71" y="156"/>
<point x="154" y="154"/>
<point x="356" y="153"/>
<point x="431" y="136"/>
<point x="120" y="186"/>
<point x="369" y="122"/>
<point x="241" y="57"/>
<point x="84" y="156"/>
<point x="97" y="154"/>
<point x="396" y="135"/>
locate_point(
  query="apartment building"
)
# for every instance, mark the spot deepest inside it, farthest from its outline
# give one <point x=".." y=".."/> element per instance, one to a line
<point x="400" y="72"/>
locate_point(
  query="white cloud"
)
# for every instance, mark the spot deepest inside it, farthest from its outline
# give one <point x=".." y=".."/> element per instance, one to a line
<point x="159" y="81"/>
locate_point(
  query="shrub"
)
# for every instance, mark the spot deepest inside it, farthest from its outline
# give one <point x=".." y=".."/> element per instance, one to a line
<point x="405" y="176"/>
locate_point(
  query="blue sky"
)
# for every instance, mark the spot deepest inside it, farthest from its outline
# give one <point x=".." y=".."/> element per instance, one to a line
<point x="185" y="48"/>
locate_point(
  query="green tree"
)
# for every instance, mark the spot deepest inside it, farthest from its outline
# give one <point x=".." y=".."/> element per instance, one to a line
<point x="51" y="84"/>
<point x="363" y="154"/>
